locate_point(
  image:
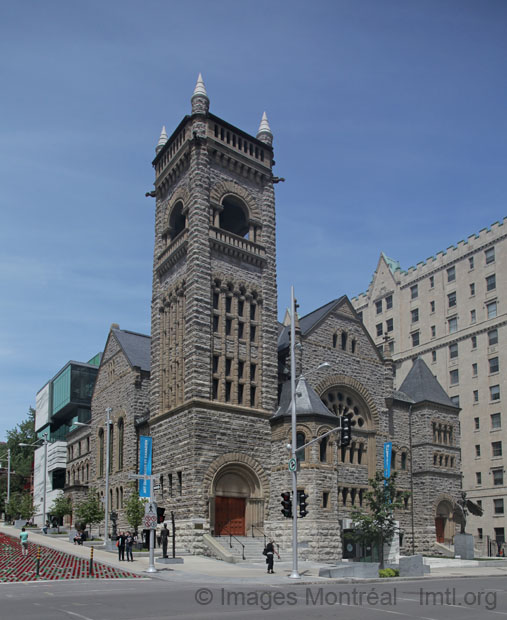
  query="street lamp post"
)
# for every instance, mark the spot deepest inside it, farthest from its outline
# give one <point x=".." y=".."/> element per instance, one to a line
<point x="294" y="574"/>
<point x="36" y="445"/>
<point x="8" y="475"/>
<point x="106" y="497"/>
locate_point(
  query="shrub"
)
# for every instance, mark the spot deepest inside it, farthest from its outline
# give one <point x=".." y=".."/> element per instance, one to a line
<point x="385" y="573"/>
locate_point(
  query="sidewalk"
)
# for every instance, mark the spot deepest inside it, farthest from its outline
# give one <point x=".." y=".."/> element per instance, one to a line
<point x="200" y="569"/>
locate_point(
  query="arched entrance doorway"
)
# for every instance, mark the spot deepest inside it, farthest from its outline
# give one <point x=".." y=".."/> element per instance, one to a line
<point x="237" y="501"/>
<point x="444" y="524"/>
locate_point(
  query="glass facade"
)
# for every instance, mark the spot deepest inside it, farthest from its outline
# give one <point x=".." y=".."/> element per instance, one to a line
<point x="73" y="386"/>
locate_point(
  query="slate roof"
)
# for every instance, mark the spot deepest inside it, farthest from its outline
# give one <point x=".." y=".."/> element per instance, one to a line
<point x="307" y="401"/>
<point x="307" y="322"/>
<point x="137" y="347"/>
<point x="420" y="385"/>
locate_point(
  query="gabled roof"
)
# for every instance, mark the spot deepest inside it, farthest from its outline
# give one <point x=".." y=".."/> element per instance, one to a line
<point x="307" y="401"/>
<point x="421" y="385"/>
<point x="308" y="322"/>
<point x="137" y="347"/>
<point x="393" y="264"/>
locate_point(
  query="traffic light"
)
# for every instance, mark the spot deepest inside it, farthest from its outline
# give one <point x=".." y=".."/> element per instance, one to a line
<point x="302" y="504"/>
<point x="346" y="432"/>
<point x="160" y="515"/>
<point x="287" y="505"/>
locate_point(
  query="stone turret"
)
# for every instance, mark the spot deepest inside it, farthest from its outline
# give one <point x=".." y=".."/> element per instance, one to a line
<point x="200" y="99"/>
<point x="264" y="132"/>
<point x="161" y="141"/>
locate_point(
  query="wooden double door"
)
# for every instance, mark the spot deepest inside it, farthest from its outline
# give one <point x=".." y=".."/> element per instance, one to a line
<point x="230" y="516"/>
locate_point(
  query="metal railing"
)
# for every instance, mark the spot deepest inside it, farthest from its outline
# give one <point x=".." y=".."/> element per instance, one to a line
<point x="255" y="527"/>
<point x="231" y="536"/>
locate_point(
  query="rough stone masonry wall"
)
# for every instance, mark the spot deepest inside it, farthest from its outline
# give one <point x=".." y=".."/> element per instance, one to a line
<point x="126" y="391"/>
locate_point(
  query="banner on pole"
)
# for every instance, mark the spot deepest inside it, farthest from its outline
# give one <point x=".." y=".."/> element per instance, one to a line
<point x="145" y="465"/>
<point x="388" y="449"/>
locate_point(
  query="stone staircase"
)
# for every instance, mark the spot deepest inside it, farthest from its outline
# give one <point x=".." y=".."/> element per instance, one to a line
<point x="253" y="549"/>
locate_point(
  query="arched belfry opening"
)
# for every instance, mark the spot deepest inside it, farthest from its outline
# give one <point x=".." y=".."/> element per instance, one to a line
<point x="236" y="501"/>
<point x="177" y="221"/>
<point x="234" y="216"/>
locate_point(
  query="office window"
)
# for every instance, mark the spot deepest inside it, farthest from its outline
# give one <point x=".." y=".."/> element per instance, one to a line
<point x="414" y="314"/>
<point x="479" y="502"/>
<point x="453" y="325"/>
<point x="474" y="342"/>
<point x="492" y="337"/>
<point x="493" y="364"/>
<point x="432" y="281"/>
<point x="472" y="289"/>
<point x="389" y="325"/>
<point x="494" y="392"/>
<point x="490" y="256"/>
<point x="432" y="306"/>
<point x="477" y="450"/>
<point x="478" y="477"/>
<point x="379" y="329"/>
<point x="475" y="395"/>
<point x="477" y="424"/>
<point x="471" y="262"/>
<point x="473" y="316"/>
<point x="497" y="477"/>
<point x="491" y="310"/>
<point x="414" y="292"/>
<point x="453" y="350"/>
<point x="378" y="306"/>
<point x="498" y="504"/>
<point x="474" y="370"/>
<point x="433" y="356"/>
<point x="491" y="283"/>
<point x="451" y="274"/>
<point x="433" y="331"/>
<point x="389" y="302"/>
<point x="496" y="420"/>
<point x="454" y="377"/>
<point x="455" y="400"/>
<point x="479" y="533"/>
<point x="496" y="448"/>
<point x="415" y="339"/>
<point x="451" y="299"/>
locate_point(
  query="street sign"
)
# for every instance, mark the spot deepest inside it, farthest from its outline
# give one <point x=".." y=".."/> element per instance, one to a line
<point x="293" y="465"/>
<point x="150" y="521"/>
<point x="150" y="508"/>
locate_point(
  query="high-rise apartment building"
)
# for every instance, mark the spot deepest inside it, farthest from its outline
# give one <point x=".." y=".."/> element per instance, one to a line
<point x="451" y="310"/>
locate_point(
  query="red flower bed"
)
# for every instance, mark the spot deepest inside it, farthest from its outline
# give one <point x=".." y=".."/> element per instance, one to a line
<point x="53" y="564"/>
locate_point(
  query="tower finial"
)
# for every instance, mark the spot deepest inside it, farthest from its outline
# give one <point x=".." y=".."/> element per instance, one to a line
<point x="200" y="99"/>
<point x="162" y="140"/>
<point x="264" y="133"/>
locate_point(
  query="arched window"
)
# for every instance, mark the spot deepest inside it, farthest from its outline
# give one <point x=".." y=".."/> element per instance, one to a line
<point x="300" y="442"/>
<point x="403" y="460"/>
<point x="335" y="340"/>
<point x="120" y="443"/>
<point x="110" y="499"/>
<point x="323" y="449"/>
<point x="121" y="497"/>
<point x="344" y="341"/>
<point x="117" y="498"/>
<point x="101" y="452"/>
<point x="176" y="220"/>
<point x="111" y="442"/>
<point x="234" y="216"/>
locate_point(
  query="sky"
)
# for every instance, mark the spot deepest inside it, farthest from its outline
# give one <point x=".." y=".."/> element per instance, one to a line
<point x="389" y="120"/>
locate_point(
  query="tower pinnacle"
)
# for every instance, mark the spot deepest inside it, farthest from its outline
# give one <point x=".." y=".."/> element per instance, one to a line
<point x="162" y="140"/>
<point x="264" y="133"/>
<point x="200" y="99"/>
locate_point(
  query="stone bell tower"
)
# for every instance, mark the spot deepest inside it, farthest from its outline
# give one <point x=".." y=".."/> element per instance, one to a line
<point x="214" y="327"/>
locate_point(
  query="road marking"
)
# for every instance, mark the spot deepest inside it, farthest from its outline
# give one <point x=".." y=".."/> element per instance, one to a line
<point x="73" y="613"/>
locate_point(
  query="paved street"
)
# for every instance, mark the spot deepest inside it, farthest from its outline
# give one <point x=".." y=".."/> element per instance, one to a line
<point x="155" y="599"/>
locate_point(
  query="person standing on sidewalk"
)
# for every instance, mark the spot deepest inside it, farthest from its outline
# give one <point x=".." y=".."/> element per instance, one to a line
<point x="129" y="542"/>
<point x="121" y="546"/>
<point x="23" y="537"/>
<point x="269" y="552"/>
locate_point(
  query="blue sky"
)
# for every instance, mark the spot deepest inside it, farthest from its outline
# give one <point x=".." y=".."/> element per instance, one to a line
<point x="389" y="119"/>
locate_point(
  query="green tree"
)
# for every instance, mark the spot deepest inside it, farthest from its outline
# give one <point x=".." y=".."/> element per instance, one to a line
<point x="90" y="511"/>
<point x="134" y="509"/>
<point x="21" y="506"/>
<point x="21" y="458"/>
<point x="61" y="506"/>
<point x="378" y="524"/>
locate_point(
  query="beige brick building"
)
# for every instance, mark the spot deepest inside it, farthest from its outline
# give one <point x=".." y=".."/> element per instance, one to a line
<point x="451" y="310"/>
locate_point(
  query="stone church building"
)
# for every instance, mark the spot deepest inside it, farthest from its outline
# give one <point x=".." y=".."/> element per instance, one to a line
<point x="218" y="378"/>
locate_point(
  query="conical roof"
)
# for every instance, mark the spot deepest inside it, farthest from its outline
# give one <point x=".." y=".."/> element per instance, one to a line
<point x="264" y="126"/>
<point x="307" y="401"/>
<point x="200" y="89"/>
<point x="421" y="385"/>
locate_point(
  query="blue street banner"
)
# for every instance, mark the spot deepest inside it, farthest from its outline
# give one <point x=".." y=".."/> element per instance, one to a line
<point x="145" y="465"/>
<point x="388" y="450"/>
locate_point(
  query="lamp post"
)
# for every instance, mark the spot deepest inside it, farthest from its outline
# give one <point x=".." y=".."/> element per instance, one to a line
<point x="295" y="573"/>
<point x="36" y="445"/>
<point x="8" y="475"/>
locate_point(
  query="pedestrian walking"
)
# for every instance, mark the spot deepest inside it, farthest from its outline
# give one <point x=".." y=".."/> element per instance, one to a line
<point x="23" y="537"/>
<point x="121" y="546"/>
<point x="164" y="535"/>
<point x="129" y="543"/>
<point x="269" y="552"/>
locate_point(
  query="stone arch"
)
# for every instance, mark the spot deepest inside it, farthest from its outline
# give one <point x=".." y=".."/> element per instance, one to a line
<point x="228" y="188"/>
<point x="237" y="487"/>
<point x="180" y="196"/>
<point x="443" y="509"/>
<point x="355" y="386"/>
